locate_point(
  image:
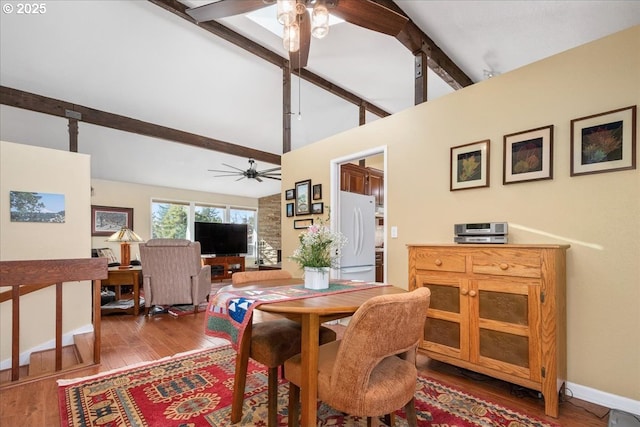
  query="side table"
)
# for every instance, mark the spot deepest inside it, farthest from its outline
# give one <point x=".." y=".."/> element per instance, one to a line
<point x="119" y="277"/>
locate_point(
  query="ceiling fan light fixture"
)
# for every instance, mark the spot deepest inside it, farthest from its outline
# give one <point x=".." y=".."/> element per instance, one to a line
<point x="320" y="20"/>
<point x="291" y="37"/>
<point x="286" y="12"/>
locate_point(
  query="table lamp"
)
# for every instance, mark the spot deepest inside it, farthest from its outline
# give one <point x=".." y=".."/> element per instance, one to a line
<point x="125" y="236"/>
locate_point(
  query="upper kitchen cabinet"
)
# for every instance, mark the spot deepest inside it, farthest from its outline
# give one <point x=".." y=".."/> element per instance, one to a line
<point x="362" y="180"/>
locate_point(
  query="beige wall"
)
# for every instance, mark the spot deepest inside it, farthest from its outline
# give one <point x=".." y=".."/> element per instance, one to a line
<point x="35" y="169"/>
<point x="598" y="215"/>
<point x="138" y="197"/>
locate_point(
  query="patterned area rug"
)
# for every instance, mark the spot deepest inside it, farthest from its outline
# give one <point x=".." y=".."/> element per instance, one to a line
<point x="192" y="390"/>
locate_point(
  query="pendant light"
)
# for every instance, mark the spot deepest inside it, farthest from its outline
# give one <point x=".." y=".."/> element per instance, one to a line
<point x="320" y="20"/>
<point x="286" y="12"/>
<point x="291" y="37"/>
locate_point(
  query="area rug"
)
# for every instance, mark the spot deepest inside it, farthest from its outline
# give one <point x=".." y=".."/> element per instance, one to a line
<point x="194" y="389"/>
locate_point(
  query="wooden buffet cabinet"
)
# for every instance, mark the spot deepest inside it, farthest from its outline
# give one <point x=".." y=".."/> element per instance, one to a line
<point x="498" y="310"/>
<point x="222" y="267"/>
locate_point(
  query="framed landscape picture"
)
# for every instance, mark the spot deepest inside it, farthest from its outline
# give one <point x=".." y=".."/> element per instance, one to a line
<point x="303" y="197"/>
<point x="107" y="220"/>
<point x="528" y="155"/>
<point x="469" y="166"/>
<point x="604" y="142"/>
<point x="300" y="224"/>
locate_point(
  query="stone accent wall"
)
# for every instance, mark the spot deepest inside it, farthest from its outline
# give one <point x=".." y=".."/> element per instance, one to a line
<point x="269" y="228"/>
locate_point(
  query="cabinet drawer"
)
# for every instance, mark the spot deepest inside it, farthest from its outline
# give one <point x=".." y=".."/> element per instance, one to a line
<point x="440" y="260"/>
<point x="502" y="263"/>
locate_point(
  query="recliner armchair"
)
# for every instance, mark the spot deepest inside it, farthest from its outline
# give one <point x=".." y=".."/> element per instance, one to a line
<point x="172" y="273"/>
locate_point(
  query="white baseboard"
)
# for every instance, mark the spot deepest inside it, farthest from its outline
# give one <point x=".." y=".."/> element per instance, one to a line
<point x="603" y="398"/>
<point x="67" y="339"/>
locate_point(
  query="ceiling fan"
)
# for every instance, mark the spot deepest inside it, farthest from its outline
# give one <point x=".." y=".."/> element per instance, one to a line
<point x="299" y="24"/>
<point x="251" y="173"/>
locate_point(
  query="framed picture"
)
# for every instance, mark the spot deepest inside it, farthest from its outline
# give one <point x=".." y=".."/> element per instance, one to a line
<point x="528" y="155"/>
<point x="470" y="166"/>
<point x="604" y="142"/>
<point x="303" y="197"/>
<point x="32" y="206"/>
<point x="289" y="194"/>
<point x="107" y="253"/>
<point x="299" y="224"/>
<point x="289" y="209"/>
<point x="317" y="208"/>
<point x="317" y="192"/>
<point x="107" y="220"/>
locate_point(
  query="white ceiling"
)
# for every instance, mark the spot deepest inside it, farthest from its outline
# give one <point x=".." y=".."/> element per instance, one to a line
<point x="135" y="59"/>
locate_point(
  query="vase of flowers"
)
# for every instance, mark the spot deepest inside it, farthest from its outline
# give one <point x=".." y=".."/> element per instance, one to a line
<point x="319" y="250"/>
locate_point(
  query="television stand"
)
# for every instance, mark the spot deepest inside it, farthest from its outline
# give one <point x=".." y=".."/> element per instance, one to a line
<point x="222" y="267"/>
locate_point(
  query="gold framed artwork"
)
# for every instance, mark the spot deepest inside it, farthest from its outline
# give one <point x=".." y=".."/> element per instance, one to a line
<point x="528" y="155"/>
<point x="469" y="166"/>
<point x="604" y="142"/>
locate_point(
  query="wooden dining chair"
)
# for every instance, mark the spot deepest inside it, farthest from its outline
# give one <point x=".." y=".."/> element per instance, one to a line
<point x="273" y="341"/>
<point x="371" y="371"/>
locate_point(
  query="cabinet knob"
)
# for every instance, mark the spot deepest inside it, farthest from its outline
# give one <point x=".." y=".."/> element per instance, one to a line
<point x="504" y="265"/>
<point x="472" y="293"/>
<point x="438" y="262"/>
<point x="464" y="291"/>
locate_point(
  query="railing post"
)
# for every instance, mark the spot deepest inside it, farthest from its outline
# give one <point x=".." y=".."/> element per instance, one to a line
<point x="15" y="333"/>
<point x="59" y="326"/>
<point x="96" y="321"/>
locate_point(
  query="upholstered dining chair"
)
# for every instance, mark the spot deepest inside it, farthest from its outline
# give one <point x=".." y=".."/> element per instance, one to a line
<point x="243" y="277"/>
<point x="372" y="370"/>
<point x="273" y="341"/>
<point x="172" y="273"/>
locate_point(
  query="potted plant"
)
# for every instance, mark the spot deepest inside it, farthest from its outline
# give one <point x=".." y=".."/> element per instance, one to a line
<point x="319" y="250"/>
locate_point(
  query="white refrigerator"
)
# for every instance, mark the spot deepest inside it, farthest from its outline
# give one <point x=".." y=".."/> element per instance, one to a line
<point x="357" y="223"/>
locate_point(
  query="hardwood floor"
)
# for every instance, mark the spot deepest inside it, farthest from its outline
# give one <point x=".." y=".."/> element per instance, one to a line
<point x="128" y="340"/>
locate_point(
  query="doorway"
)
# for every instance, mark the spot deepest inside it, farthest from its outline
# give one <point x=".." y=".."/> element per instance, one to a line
<point x="374" y="163"/>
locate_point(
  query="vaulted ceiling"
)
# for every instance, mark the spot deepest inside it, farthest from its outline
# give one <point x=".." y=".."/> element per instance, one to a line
<point x="143" y="61"/>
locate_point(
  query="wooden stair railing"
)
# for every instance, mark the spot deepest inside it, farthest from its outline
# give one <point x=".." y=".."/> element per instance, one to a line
<point x="27" y="276"/>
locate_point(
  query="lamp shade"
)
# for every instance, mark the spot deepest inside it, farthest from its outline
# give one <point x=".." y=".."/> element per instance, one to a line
<point x="125" y="235"/>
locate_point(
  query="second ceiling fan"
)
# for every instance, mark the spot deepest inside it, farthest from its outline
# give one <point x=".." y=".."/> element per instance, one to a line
<point x="299" y="24"/>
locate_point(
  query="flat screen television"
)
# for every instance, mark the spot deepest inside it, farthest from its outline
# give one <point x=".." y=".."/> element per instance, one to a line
<point x="218" y="238"/>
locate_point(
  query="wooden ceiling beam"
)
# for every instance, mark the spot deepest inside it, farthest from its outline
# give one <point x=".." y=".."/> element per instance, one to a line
<point x="416" y="40"/>
<point x="55" y="107"/>
<point x="249" y="45"/>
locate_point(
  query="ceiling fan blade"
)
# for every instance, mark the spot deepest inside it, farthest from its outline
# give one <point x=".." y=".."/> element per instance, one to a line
<point x="233" y="167"/>
<point x="225" y="175"/>
<point x="220" y="170"/>
<point x="271" y="177"/>
<point x="224" y="8"/>
<point x="257" y="178"/>
<point x="270" y="170"/>
<point x="300" y="58"/>
<point x="370" y="15"/>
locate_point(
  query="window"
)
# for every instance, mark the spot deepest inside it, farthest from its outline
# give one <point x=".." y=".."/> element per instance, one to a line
<point x="169" y="220"/>
<point x="209" y="214"/>
<point x="249" y="217"/>
<point x="174" y="220"/>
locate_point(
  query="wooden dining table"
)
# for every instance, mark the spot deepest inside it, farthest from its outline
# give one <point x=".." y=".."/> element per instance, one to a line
<point x="310" y="312"/>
